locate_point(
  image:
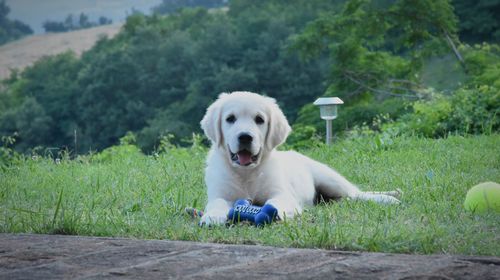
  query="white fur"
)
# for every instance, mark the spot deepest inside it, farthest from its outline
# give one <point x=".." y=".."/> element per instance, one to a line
<point x="287" y="180"/>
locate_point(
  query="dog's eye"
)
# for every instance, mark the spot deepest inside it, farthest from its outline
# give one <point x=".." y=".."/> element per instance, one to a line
<point x="259" y="120"/>
<point x="231" y="119"/>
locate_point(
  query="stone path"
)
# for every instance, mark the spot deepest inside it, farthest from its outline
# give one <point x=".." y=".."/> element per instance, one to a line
<point x="29" y="256"/>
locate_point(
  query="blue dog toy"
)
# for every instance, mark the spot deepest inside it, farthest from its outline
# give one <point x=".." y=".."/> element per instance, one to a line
<point x="243" y="210"/>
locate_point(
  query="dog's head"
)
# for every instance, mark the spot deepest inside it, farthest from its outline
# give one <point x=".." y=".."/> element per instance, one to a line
<point x="246" y="125"/>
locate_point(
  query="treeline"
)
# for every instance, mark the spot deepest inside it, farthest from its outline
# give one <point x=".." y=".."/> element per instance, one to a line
<point x="172" y="6"/>
<point x="72" y="23"/>
<point x="158" y="75"/>
<point x="11" y="29"/>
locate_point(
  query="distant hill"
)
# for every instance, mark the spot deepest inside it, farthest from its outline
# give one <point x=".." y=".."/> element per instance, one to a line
<point x="24" y="52"/>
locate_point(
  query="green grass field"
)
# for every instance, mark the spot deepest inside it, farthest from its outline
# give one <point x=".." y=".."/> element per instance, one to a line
<point x="140" y="196"/>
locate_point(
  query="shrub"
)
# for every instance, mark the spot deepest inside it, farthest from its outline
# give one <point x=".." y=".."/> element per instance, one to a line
<point x="126" y="150"/>
<point x="429" y="117"/>
<point x="475" y="110"/>
<point x="482" y="63"/>
<point x="469" y="110"/>
<point x="7" y="153"/>
<point x="303" y="136"/>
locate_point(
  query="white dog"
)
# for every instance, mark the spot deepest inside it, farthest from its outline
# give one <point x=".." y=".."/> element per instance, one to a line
<point x="245" y="128"/>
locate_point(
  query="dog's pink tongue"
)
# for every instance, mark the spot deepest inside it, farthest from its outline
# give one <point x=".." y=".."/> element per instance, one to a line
<point x="244" y="157"/>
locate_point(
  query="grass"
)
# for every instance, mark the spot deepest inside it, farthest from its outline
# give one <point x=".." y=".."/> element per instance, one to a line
<point x="132" y="195"/>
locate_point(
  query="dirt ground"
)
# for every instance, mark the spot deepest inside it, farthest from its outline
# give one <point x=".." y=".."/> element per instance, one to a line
<point x="28" y="256"/>
<point x="24" y="52"/>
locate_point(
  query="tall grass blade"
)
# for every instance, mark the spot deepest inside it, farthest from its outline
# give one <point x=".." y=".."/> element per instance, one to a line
<point x="58" y="206"/>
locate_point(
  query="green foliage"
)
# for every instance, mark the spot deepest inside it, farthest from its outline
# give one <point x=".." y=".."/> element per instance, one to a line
<point x="71" y="23"/>
<point x="40" y="103"/>
<point x="469" y="110"/>
<point x="478" y="20"/>
<point x="166" y="143"/>
<point x="7" y="154"/>
<point x="127" y="150"/>
<point x="476" y="110"/>
<point x="483" y="64"/>
<point x="11" y="29"/>
<point x="302" y="137"/>
<point x="116" y="153"/>
<point x="472" y="108"/>
<point x="429" y="117"/>
<point x="159" y="74"/>
<point x="378" y="47"/>
<point x="172" y="6"/>
<point x="465" y="104"/>
<point x="30" y="121"/>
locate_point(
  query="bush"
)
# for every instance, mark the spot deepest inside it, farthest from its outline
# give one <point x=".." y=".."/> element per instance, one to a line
<point x="475" y="110"/>
<point x="482" y="63"/>
<point x="126" y="150"/>
<point x="469" y="110"/>
<point x="7" y="154"/>
<point x="429" y="117"/>
<point x="303" y="136"/>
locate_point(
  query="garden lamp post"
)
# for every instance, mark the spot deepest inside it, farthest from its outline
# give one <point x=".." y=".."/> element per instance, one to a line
<point x="328" y="112"/>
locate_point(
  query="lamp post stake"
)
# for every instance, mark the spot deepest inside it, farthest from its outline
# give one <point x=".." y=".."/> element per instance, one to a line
<point x="328" y="132"/>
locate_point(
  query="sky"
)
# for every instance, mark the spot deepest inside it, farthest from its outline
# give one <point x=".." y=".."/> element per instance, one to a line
<point x="35" y="12"/>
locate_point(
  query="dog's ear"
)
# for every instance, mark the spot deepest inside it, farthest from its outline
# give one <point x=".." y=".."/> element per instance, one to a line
<point x="211" y="123"/>
<point x="278" y="126"/>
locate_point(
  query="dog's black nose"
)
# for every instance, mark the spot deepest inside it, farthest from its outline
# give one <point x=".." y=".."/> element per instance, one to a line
<point x="245" y="138"/>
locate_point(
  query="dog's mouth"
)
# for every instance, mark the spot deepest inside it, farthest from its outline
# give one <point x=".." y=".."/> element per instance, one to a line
<point x="244" y="157"/>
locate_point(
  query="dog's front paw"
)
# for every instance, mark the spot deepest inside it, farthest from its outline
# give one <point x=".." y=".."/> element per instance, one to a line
<point x="212" y="219"/>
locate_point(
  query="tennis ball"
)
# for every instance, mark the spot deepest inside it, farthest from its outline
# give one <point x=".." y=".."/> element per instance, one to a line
<point x="483" y="197"/>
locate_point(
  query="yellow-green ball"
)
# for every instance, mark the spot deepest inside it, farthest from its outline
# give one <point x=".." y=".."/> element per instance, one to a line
<point x="483" y="197"/>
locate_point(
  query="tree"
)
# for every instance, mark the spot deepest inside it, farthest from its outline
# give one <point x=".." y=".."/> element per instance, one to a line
<point x="51" y="83"/>
<point x="104" y="20"/>
<point x="378" y="47"/>
<point x="70" y="23"/>
<point x="83" y="21"/>
<point x="11" y="29"/>
<point x="30" y="122"/>
<point x="53" y="26"/>
<point x="172" y="6"/>
<point x="479" y="20"/>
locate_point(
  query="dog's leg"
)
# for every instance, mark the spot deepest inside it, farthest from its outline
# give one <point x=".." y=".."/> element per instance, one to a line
<point x="377" y="197"/>
<point x="286" y="205"/>
<point x="397" y="193"/>
<point x="215" y="212"/>
<point x="330" y="183"/>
